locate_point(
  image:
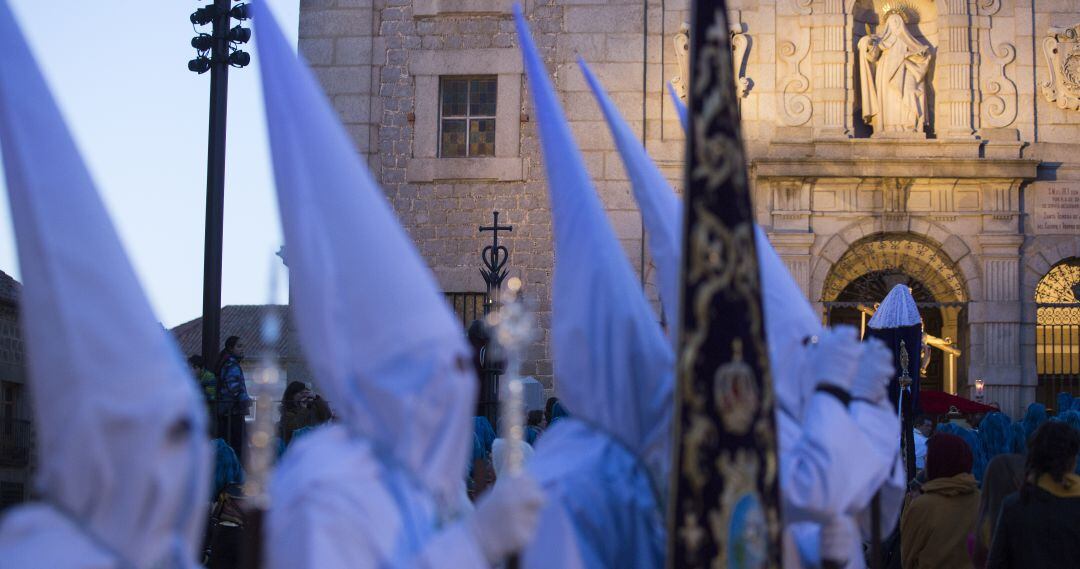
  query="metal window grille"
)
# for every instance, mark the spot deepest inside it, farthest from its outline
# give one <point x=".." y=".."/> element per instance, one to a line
<point x="1057" y="331"/>
<point x="468" y="306"/>
<point x="467" y="115"/>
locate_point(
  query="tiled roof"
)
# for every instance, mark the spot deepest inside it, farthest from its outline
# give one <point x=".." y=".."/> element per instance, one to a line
<point x="9" y="289"/>
<point x="243" y="320"/>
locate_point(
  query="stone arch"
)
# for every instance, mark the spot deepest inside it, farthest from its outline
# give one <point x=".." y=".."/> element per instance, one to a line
<point x="1039" y="258"/>
<point x="913" y="255"/>
<point x="954" y="250"/>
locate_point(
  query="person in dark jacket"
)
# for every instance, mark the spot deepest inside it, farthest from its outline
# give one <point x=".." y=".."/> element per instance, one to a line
<point x="233" y="398"/>
<point x="300" y="408"/>
<point x="1039" y="526"/>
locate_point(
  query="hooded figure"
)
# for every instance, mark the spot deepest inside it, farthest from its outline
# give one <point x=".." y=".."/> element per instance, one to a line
<point x="384" y="486"/>
<point x="819" y="481"/>
<point x="1034" y="417"/>
<point x="604" y="466"/>
<point x="124" y="467"/>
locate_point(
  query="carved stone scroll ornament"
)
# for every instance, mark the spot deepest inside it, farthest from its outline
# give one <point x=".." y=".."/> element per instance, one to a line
<point x="1061" y="46"/>
<point x="740" y="47"/>
<point x="795" y="104"/>
<point x="682" y="56"/>
<point x="1000" y="91"/>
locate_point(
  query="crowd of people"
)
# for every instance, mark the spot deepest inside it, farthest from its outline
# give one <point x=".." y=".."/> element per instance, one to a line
<point x="991" y="492"/>
<point x="372" y="469"/>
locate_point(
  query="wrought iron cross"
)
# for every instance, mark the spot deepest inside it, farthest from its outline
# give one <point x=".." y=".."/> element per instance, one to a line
<point x="494" y="257"/>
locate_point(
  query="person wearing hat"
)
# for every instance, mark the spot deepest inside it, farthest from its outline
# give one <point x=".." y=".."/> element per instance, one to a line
<point x="935" y="527"/>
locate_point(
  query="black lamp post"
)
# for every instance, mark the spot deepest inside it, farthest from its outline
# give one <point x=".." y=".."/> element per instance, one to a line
<point x="215" y="53"/>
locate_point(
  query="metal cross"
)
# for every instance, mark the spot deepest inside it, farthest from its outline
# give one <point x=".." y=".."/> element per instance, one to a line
<point x="494" y="257"/>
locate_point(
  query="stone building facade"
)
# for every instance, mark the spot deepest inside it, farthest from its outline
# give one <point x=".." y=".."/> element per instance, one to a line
<point x="930" y="142"/>
<point x="16" y="434"/>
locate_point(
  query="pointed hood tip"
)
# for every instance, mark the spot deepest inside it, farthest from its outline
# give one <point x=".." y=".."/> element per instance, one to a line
<point x="372" y="320"/>
<point x="897" y="310"/>
<point x="96" y="354"/>
<point x="639" y="417"/>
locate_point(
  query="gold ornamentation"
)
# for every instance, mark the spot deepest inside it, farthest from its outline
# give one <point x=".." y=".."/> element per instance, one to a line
<point x="735" y="392"/>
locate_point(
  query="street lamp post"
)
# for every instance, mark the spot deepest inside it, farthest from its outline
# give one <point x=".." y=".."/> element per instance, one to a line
<point x="216" y="52"/>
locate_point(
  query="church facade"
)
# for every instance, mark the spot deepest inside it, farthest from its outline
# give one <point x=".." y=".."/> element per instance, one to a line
<point x="934" y="143"/>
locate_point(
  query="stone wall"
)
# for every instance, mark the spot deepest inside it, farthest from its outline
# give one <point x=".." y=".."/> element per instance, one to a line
<point x="985" y="188"/>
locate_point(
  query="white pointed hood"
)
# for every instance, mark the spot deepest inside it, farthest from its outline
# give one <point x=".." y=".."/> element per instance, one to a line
<point x="680" y="107"/>
<point x="789" y="322"/>
<point x="789" y="318"/>
<point x="897" y="310"/>
<point x="660" y="209"/>
<point x="375" y="328"/>
<point x="118" y="421"/>
<point x="613" y="365"/>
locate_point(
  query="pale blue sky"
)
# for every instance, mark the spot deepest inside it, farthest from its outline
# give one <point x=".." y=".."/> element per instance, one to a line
<point x="118" y="69"/>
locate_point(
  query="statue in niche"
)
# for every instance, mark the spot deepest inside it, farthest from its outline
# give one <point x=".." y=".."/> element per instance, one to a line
<point x="892" y="85"/>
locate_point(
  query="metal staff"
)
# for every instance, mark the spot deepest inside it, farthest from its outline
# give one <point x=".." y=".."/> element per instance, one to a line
<point x="514" y="329"/>
<point x="262" y="439"/>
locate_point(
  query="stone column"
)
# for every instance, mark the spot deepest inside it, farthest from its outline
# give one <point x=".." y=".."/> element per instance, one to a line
<point x="956" y="67"/>
<point x="794" y="250"/>
<point x="831" y="71"/>
<point x="995" y="323"/>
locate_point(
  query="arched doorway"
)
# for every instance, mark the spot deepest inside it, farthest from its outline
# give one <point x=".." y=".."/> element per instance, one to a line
<point x="874" y="265"/>
<point x="1057" y="331"/>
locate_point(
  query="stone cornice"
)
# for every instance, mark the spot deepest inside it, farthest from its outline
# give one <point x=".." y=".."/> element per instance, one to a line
<point x="820" y="167"/>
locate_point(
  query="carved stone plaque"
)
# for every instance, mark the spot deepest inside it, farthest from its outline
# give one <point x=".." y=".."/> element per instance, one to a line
<point x="1061" y="46"/>
<point x="1056" y="208"/>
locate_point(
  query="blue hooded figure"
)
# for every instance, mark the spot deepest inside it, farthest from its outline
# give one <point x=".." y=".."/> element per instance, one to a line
<point x="227" y="468"/>
<point x="1017" y="439"/>
<point x="1064" y="403"/>
<point x="1033" y="419"/>
<point x="994" y="438"/>
<point x="485" y="433"/>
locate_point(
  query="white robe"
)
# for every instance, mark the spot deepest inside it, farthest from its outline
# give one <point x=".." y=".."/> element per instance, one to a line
<point x="601" y="508"/>
<point x="357" y="510"/>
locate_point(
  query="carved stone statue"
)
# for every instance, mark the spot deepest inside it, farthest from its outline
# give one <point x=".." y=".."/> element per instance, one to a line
<point x="892" y="66"/>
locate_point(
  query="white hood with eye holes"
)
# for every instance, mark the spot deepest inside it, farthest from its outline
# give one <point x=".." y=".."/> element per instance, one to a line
<point x="123" y="463"/>
<point x="375" y="328"/>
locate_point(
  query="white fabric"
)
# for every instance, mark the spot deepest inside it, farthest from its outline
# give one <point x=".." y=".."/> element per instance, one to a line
<point x="661" y="210"/>
<point x="119" y="424"/>
<point x="920" y="450"/>
<point x="506" y="516"/>
<point x="381" y="342"/>
<point x="374" y="326"/>
<point x="337" y="504"/>
<point x="602" y="509"/>
<point x="824" y="465"/>
<point x="532" y="394"/>
<point x="897" y="310"/>
<point x="499" y="454"/>
<point x="680" y="107"/>
<point x="614" y="367"/>
<point x="612" y="361"/>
